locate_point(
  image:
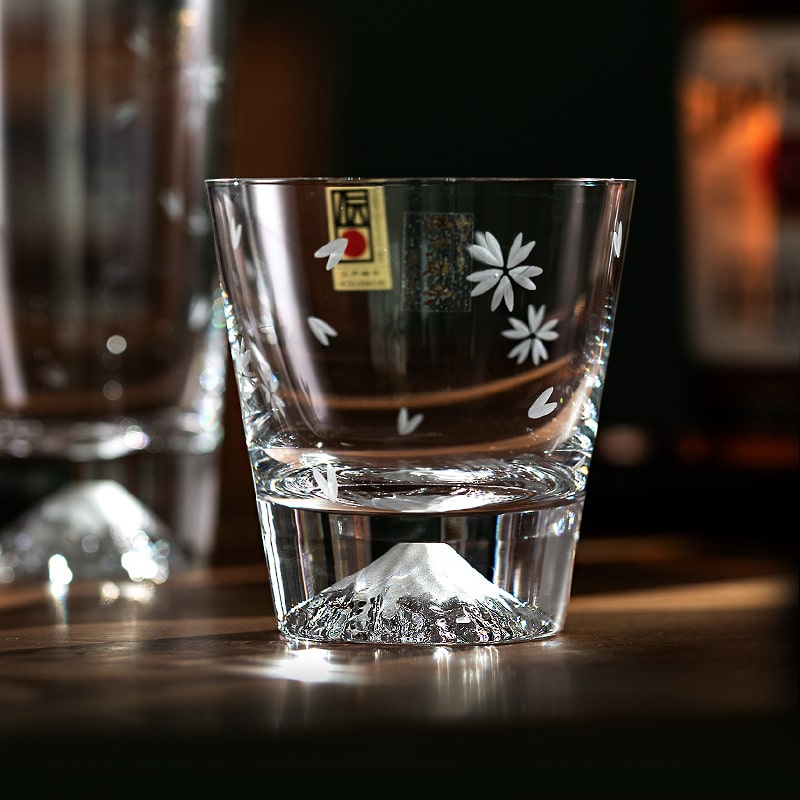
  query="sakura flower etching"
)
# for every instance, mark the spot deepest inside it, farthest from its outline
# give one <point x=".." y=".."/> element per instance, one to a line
<point x="327" y="483"/>
<point x="139" y="42"/>
<point x="125" y="113"/>
<point x="334" y="251"/>
<point x="203" y="80"/>
<point x="236" y="231"/>
<point x="501" y="273"/>
<point x="407" y="424"/>
<point x="616" y="239"/>
<point x="205" y="75"/>
<point x="174" y="205"/>
<point x="532" y="336"/>
<point x="198" y="222"/>
<point x="542" y="406"/>
<point x="172" y="202"/>
<point x="246" y="380"/>
<point x="321" y="330"/>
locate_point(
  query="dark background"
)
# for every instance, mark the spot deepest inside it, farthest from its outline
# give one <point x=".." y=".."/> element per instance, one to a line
<point x="572" y="89"/>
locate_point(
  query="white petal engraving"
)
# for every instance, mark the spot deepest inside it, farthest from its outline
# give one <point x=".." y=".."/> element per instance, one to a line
<point x="504" y="291"/>
<point x="520" y="330"/>
<point x="541" y="407"/>
<point x="538" y="351"/>
<point x="535" y="333"/>
<point x="485" y="278"/>
<point x="487" y="250"/>
<point x="125" y="112"/>
<point x="520" y="351"/>
<point x="406" y="424"/>
<point x="172" y="202"/>
<point x="616" y="239"/>
<point x="236" y="235"/>
<point x="519" y="252"/>
<point x="321" y="329"/>
<point x="494" y="248"/>
<point x="328" y="484"/>
<point x="333" y="251"/>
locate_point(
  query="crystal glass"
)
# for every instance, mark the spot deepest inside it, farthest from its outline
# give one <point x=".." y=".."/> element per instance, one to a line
<point x="420" y="364"/>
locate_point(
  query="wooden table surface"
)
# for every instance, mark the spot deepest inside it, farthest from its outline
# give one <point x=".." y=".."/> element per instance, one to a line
<point x="676" y="657"/>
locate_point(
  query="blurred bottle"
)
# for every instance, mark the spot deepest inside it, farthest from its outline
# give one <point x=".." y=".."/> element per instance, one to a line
<point x="738" y="95"/>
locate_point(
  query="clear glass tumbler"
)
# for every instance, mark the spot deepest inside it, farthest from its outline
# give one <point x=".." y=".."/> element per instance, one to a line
<point x="112" y="341"/>
<point x="420" y="363"/>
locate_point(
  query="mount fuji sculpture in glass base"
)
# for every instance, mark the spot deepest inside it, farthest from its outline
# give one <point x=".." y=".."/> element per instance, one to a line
<point x="416" y="593"/>
<point x="88" y="530"/>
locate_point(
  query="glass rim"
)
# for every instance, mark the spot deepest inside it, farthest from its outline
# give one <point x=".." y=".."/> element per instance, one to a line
<point x="407" y="181"/>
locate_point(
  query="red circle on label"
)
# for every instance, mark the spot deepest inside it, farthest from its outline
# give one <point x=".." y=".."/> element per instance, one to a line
<point x="356" y="243"/>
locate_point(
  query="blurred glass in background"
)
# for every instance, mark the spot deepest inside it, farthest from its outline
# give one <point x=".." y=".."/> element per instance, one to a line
<point x="112" y="355"/>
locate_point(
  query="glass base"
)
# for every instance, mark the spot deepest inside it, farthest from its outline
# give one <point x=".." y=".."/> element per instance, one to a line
<point x="90" y="530"/>
<point x="411" y="579"/>
<point x="416" y="593"/>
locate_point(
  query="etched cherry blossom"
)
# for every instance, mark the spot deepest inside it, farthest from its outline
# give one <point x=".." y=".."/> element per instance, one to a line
<point x="487" y="250"/>
<point x="124" y="113"/>
<point x="172" y="202"/>
<point x="198" y="222"/>
<point x="236" y="231"/>
<point x="616" y="239"/>
<point x="203" y="78"/>
<point x="406" y="424"/>
<point x="327" y="483"/>
<point x="139" y="42"/>
<point x="542" y="406"/>
<point x="246" y="380"/>
<point x="533" y="335"/>
<point x="334" y="251"/>
<point x="174" y="205"/>
<point x="321" y="330"/>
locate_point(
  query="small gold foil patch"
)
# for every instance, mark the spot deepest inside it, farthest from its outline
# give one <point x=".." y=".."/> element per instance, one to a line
<point x="436" y="261"/>
<point x="358" y="214"/>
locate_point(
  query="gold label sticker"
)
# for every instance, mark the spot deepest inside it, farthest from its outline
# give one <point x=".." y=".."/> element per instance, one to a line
<point x="359" y="215"/>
